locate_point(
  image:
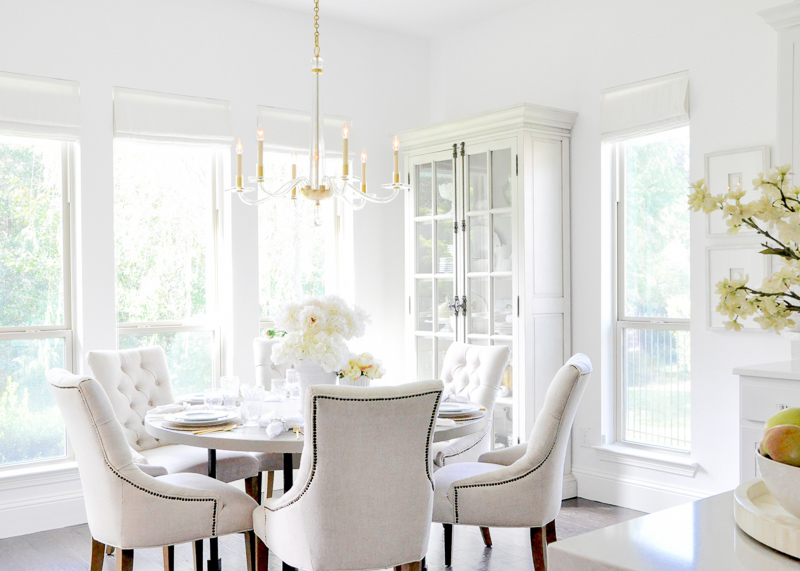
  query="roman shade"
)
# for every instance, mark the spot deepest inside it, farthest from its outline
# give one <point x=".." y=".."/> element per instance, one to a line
<point x="31" y="105"/>
<point x="286" y="130"/>
<point x="645" y="107"/>
<point x="162" y="117"/>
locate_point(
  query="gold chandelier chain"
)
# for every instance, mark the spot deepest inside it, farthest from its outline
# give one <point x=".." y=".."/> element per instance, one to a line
<point x="316" y="28"/>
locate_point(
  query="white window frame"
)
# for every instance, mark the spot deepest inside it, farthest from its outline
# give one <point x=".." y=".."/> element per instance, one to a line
<point x="212" y="321"/>
<point x="64" y="330"/>
<point x="621" y="320"/>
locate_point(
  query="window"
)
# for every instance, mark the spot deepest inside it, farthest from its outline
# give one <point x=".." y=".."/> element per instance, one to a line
<point x="35" y="314"/>
<point x="165" y="223"/>
<point x="296" y="256"/>
<point x="651" y="175"/>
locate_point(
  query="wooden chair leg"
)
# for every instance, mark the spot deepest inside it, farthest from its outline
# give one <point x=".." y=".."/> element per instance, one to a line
<point x="125" y="560"/>
<point x="169" y="558"/>
<point x="487" y="537"/>
<point x="448" y="543"/>
<point x="270" y="483"/>
<point x="551" y="532"/>
<point x="250" y="549"/>
<point x="251" y="487"/>
<point x="539" y="548"/>
<point x="416" y="566"/>
<point x="198" y="555"/>
<point x="98" y="554"/>
<point x="109" y="550"/>
<point x="262" y="555"/>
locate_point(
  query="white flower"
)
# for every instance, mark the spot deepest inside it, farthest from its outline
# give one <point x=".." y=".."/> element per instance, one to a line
<point x="365" y="360"/>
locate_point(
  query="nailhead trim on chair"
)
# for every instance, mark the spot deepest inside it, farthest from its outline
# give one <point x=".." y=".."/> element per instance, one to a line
<point x="444" y="458"/>
<point x="124" y="479"/>
<point x="431" y="424"/>
<point x="526" y="474"/>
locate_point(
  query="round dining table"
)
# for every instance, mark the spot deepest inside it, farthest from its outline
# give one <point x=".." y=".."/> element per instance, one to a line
<point x="255" y="439"/>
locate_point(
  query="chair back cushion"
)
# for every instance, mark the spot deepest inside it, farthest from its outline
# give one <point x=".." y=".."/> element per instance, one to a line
<point x="135" y="381"/>
<point x="367" y="472"/>
<point x="475" y="372"/>
<point x="547" y="447"/>
<point x="266" y="370"/>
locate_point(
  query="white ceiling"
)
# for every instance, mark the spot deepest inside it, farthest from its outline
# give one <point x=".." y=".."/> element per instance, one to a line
<point x="418" y="17"/>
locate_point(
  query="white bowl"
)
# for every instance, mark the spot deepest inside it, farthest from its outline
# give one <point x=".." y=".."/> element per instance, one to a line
<point x="783" y="482"/>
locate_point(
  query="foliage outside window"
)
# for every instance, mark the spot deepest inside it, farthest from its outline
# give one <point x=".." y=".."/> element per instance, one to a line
<point x="653" y="371"/>
<point x="296" y="258"/>
<point x="164" y="231"/>
<point x="35" y="331"/>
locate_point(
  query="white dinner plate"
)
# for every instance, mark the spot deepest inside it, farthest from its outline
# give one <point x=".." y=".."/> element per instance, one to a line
<point x="457" y="408"/>
<point x="200" y="417"/>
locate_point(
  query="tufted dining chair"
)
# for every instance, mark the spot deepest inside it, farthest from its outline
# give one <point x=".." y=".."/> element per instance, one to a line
<point x="137" y="380"/>
<point x="473" y="372"/>
<point x="266" y="370"/>
<point x="518" y="486"/>
<point x="125" y="507"/>
<point x="364" y="492"/>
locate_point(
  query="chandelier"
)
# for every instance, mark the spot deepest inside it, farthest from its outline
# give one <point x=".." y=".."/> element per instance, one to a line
<point x="319" y="185"/>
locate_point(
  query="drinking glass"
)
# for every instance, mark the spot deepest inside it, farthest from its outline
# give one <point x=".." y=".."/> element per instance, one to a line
<point x="292" y="383"/>
<point x="253" y="401"/>
<point x="213" y="399"/>
<point x="280" y="388"/>
<point x="230" y="390"/>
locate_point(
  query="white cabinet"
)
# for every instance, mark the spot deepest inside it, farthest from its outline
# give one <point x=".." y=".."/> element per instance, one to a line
<point x="763" y="391"/>
<point x="487" y="226"/>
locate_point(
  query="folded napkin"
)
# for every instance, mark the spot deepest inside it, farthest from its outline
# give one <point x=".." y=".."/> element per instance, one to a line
<point x="276" y="424"/>
<point x="270" y="397"/>
<point x="162" y="411"/>
<point x="450" y="397"/>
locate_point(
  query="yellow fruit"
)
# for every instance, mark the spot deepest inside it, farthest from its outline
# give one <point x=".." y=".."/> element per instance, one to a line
<point x="782" y="444"/>
<point x="786" y="416"/>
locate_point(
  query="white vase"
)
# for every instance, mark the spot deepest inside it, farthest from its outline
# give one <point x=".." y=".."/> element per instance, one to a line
<point x="362" y="381"/>
<point x="310" y="374"/>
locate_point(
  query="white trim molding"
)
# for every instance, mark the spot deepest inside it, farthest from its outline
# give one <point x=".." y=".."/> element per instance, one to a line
<point x="651" y="459"/>
<point x="782" y="17"/>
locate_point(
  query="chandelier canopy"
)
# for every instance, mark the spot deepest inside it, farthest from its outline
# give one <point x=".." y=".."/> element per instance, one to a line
<point x="319" y="185"/>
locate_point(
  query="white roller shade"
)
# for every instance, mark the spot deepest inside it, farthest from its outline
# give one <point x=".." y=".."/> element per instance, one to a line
<point x="287" y="130"/>
<point x="42" y="106"/>
<point x="151" y="116"/>
<point x="645" y="107"/>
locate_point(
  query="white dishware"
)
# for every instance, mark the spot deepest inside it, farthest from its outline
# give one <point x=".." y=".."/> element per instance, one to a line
<point x="783" y="481"/>
<point x="198" y="419"/>
<point x="759" y="515"/>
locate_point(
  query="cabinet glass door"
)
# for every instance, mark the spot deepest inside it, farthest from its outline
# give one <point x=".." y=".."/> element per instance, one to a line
<point x="434" y="288"/>
<point x="490" y="183"/>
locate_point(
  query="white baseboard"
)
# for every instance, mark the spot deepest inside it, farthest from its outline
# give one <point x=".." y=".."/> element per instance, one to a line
<point x="570" y="487"/>
<point x="632" y="493"/>
<point x="41" y="514"/>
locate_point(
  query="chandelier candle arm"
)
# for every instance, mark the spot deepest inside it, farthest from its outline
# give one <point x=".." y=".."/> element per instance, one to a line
<point x="239" y="149"/>
<point x="345" y="164"/>
<point x="260" y="137"/>
<point x="364" y="171"/>
<point x="396" y="146"/>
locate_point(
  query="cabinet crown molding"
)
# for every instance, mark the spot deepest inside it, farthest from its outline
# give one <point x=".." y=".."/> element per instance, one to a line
<point x="506" y="120"/>
<point x="782" y="17"/>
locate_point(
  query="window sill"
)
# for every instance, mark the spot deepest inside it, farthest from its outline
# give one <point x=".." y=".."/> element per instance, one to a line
<point x="38" y="474"/>
<point x="677" y="463"/>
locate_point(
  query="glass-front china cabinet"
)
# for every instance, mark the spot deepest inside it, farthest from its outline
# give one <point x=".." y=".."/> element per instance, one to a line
<point x="487" y="249"/>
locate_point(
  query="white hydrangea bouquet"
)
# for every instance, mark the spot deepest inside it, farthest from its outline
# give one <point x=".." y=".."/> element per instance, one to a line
<point x="363" y="365"/>
<point x="316" y="331"/>
<point x="776" y="217"/>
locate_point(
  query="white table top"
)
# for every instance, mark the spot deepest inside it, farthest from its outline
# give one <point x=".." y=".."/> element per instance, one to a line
<point x="700" y="535"/>
<point x="254" y="439"/>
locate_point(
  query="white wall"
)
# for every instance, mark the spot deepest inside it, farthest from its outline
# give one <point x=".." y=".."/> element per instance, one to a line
<point x="249" y="54"/>
<point x="562" y="54"/>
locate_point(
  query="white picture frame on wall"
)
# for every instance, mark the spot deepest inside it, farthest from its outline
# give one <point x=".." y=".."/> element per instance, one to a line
<point x="729" y="168"/>
<point x="733" y="261"/>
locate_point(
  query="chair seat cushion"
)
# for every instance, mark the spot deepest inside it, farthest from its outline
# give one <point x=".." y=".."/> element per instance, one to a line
<point x="179" y="458"/>
<point x="273" y="461"/>
<point x="443" y="510"/>
<point x="235" y="512"/>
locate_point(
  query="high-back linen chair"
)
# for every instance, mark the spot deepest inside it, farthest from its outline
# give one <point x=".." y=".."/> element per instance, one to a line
<point x="266" y="370"/>
<point x="127" y="508"/>
<point x="518" y="486"/>
<point x="137" y="380"/>
<point x="473" y="372"/>
<point x="364" y="492"/>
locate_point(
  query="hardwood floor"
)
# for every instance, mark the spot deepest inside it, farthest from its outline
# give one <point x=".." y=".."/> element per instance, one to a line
<point x="69" y="548"/>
